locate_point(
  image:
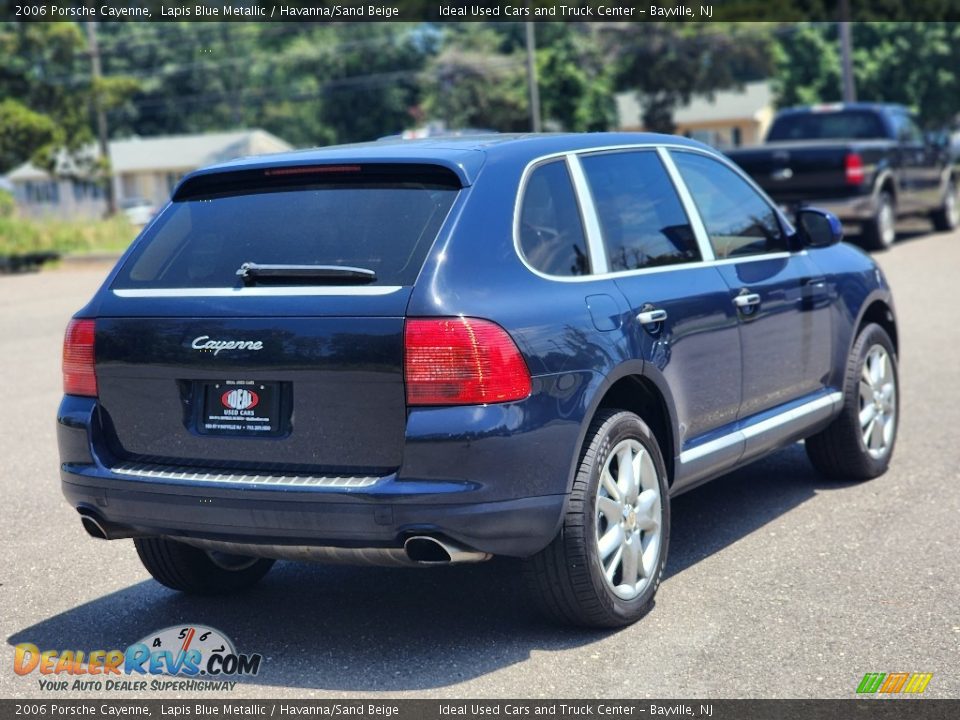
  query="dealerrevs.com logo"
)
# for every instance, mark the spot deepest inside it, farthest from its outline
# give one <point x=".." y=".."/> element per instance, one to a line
<point x="199" y="657"/>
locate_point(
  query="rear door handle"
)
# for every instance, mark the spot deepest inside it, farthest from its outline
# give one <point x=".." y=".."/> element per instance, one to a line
<point x="746" y="300"/>
<point x="652" y="317"/>
<point x="816" y="283"/>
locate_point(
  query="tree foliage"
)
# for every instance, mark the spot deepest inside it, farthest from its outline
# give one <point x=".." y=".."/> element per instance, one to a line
<point x="916" y="64"/>
<point x="666" y="64"/>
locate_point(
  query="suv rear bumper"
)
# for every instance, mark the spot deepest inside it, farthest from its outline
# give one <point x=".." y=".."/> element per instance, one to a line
<point x="518" y="527"/>
<point x="474" y="489"/>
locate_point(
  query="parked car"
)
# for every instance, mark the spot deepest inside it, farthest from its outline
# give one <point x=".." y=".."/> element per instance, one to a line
<point x="138" y="211"/>
<point x="867" y="163"/>
<point x="443" y="350"/>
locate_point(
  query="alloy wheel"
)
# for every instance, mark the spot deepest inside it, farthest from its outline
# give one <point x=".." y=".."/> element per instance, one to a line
<point x="629" y="519"/>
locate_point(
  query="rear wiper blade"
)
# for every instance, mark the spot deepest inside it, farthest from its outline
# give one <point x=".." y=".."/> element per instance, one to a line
<point x="253" y="273"/>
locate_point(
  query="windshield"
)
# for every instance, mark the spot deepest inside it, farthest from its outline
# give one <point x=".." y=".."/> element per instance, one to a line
<point x="837" y="125"/>
<point x="201" y="243"/>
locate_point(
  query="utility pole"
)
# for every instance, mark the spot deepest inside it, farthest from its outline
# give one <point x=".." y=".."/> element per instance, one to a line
<point x="846" y="53"/>
<point x="103" y="135"/>
<point x="532" y="79"/>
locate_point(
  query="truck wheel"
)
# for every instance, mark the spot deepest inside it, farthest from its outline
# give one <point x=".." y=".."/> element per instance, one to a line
<point x="947" y="216"/>
<point x="880" y="231"/>
<point x="858" y="444"/>
<point x="604" y="566"/>
<point x="198" y="572"/>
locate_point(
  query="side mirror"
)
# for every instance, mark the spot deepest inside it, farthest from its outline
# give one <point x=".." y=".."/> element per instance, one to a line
<point x="818" y="228"/>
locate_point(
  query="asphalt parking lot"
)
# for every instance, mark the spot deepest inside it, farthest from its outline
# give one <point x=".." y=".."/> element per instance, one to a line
<point x="779" y="583"/>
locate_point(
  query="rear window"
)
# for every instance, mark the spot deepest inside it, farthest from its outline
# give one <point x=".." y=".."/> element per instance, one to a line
<point x="383" y="220"/>
<point x="837" y="125"/>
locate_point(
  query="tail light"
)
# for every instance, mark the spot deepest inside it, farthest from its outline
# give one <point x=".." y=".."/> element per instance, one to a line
<point x="78" y="373"/>
<point x="853" y="168"/>
<point x="462" y="361"/>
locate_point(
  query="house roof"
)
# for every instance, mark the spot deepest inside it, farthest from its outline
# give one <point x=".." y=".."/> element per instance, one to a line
<point x="743" y="103"/>
<point x="169" y="152"/>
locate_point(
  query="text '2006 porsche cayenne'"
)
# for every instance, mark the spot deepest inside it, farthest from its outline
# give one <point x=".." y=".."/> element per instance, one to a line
<point x="440" y="351"/>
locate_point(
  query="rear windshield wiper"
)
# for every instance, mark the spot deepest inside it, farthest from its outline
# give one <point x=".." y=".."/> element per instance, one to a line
<point x="254" y="273"/>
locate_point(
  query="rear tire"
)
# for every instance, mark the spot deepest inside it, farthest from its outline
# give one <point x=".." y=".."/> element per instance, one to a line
<point x="604" y="566"/>
<point x="947" y="216"/>
<point x="880" y="232"/>
<point x="198" y="572"/>
<point x="858" y="444"/>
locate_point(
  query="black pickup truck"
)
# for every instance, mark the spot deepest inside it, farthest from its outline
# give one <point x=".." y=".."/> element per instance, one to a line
<point x="866" y="163"/>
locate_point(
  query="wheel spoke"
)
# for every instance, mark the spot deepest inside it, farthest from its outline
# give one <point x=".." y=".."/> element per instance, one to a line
<point x="867" y="415"/>
<point x="868" y="433"/>
<point x="631" y="561"/>
<point x="648" y="558"/>
<point x="626" y="480"/>
<point x="609" y="484"/>
<point x="876" y="436"/>
<point x="647" y="475"/>
<point x="611" y="509"/>
<point x="611" y="569"/>
<point x="610" y="541"/>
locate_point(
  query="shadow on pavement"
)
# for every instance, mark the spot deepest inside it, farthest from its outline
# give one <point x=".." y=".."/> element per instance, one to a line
<point x="378" y="629"/>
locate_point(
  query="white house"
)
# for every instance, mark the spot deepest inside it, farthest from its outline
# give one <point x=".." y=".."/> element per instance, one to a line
<point x="145" y="170"/>
<point x="730" y="118"/>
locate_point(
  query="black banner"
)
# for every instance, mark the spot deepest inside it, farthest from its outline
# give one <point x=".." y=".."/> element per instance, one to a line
<point x="478" y="10"/>
<point x="859" y="709"/>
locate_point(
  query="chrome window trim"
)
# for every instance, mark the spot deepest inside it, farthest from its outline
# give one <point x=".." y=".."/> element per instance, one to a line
<point x="690" y="207"/>
<point x="292" y="291"/>
<point x="752" y="431"/>
<point x="587" y="202"/>
<point x="589" y="217"/>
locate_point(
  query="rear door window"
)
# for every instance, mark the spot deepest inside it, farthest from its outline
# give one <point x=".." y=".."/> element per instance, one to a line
<point x="384" y="220"/>
<point x="551" y="230"/>
<point x="643" y="223"/>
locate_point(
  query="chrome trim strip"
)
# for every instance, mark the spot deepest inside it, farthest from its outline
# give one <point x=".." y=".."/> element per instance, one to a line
<point x="299" y="291"/>
<point x="708" y="448"/>
<point x="588" y="212"/>
<point x="689" y="206"/>
<point x="789" y="416"/>
<point x="528" y="169"/>
<point x="743" y="434"/>
<point x="172" y="472"/>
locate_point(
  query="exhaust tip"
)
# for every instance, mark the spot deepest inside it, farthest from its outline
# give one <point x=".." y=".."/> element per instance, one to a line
<point x="92" y="526"/>
<point x="423" y="549"/>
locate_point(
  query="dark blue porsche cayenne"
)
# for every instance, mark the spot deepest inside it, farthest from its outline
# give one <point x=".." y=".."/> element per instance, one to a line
<point x="440" y="351"/>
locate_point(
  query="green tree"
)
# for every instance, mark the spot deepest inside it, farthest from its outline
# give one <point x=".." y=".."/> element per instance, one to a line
<point x="913" y="63"/>
<point x="480" y="79"/>
<point x="666" y="64"/>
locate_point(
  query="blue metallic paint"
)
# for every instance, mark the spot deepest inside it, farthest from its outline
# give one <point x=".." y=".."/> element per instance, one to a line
<point x="494" y="477"/>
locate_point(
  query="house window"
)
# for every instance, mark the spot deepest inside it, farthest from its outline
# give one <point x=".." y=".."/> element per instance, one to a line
<point x="130" y="186"/>
<point x="86" y="190"/>
<point x="172" y="179"/>
<point x="42" y="192"/>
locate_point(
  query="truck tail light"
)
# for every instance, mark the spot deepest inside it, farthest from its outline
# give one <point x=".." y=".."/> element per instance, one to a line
<point x="462" y="361"/>
<point x="79" y="377"/>
<point x="853" y="168"/>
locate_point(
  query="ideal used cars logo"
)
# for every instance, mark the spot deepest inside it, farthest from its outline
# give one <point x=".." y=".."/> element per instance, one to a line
<point x="203" y="658"/>
<point x="240" y="399"/>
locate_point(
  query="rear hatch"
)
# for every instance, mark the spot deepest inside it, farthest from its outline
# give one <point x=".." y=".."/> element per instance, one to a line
<point x="296" y="363"/>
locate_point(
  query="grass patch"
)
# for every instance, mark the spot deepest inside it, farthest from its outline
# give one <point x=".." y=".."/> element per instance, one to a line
<point x="20" y="236"/>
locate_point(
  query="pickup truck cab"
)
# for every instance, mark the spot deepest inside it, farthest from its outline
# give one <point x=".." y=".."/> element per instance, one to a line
<point x="866" y="163"/>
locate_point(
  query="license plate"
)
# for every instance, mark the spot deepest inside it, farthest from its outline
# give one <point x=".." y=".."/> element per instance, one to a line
<point x="240" y="407"/>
